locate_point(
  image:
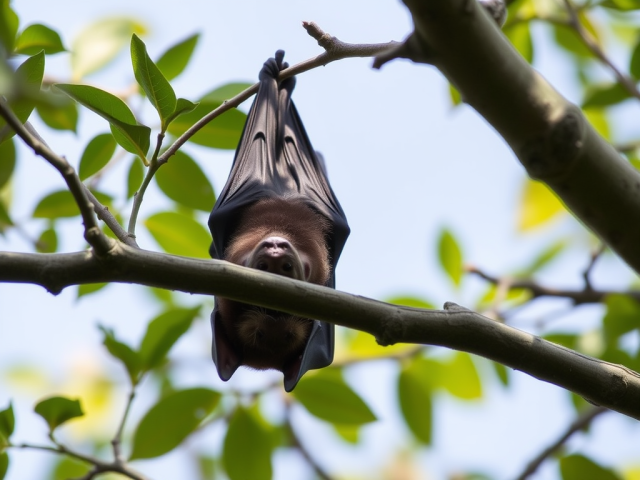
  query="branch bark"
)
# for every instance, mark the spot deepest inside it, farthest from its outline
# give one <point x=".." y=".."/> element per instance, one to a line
<point x="549" y="135"/>
<point x="602" y="383"/>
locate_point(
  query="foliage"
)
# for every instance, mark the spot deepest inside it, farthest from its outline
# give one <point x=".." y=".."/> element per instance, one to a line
<point x="424" y="375"/>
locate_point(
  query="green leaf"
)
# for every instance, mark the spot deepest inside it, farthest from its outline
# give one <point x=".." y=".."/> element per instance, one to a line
<point x="414" y="396"/>
<point x="454" y="95"/>
<point x="223" y="131"/>
<point x="60" y="113"/>
<point x="48" y="241"/>
<point x="519" y="34"/>
<point x="538" y="206"/>
<point x="7" y="423"/>
<point x="134" y="177"/>
<point x="149" y="77"/>
<point x="99" y="43"/>
<point x="183" y="181"/>
<point x="96" y="155"/>
<point x="502" y="372"/>
<point x="328" y="397"/>
<point x="175" y="59"/>
<point x="67" y="467"/>
<point x="634" y="64"/>
<point x="349" y="433"/>
<point x="179" y="234"/>
<point x="4" y="464"/>
<point x="8" y="27"/>
<point x="460" y="377"/>
<point x="7" y="161"/>
<point x="182" y="106"/>
<point x="28" y="79"/>
<point x="450" y="256"/>
<point x="131" y="360"/>
<point x="58" y="410"/>
<point x="578" y="467"/>
<point x="5" y="220"/>
<point x="543" y="259"/>
<point x="171" y="420"/>
<point x="132" y="137"/>
<point x="89" y="288"/>
<point x="58" y="204"/>
<point x="623" y="315"/>
<point x="605" y="95"/>
<point x="623" y="5"/>
<point x="247" y="433"/>
<point x="37" y="37"/>
<point x="413" y="302"/>
<point x="597" y="117"/>
<point x="162" y="333"/>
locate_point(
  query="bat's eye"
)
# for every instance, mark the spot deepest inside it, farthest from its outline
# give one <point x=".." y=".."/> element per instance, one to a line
<point x="262" y="266"/>
<point x="287" y="267"/>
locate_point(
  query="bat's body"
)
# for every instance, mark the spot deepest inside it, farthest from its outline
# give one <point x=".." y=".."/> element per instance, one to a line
<point x="276" y="213"/>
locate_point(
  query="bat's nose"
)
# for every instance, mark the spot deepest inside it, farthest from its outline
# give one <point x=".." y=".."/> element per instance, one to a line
<point x="276" y="246"/>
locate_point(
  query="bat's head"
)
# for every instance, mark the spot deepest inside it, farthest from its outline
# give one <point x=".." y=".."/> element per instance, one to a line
<point x="266" y="339"/>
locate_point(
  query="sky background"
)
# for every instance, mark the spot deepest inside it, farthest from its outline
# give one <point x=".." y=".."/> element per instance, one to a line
<point x="403" y="163"/>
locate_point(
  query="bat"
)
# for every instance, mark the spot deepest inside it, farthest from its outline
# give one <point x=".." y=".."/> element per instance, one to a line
<point x="276" y="213"/>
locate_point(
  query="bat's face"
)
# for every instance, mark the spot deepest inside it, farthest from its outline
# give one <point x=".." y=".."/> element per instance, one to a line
<point x="282" y="237"/>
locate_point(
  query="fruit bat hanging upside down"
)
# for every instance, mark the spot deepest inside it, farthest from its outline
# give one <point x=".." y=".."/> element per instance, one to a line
<point x="277" y="213"/>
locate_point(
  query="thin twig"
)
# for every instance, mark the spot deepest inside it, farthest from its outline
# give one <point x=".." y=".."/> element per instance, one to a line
<point x="578" y="297"/>
<point x="586" y="275"/>
<point x="92" y="233"/>
<point x="579" y="424"/>
<point x="334" y="50"/>
<point x="117" y="438"/>
<point x="628" y="84"/>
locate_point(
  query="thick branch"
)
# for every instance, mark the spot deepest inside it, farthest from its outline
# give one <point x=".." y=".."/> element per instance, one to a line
<point x="550" y="136"/>
<point x="602" y="383"/>
<point x="92" y="233"/>
<point x="334" y="50"/>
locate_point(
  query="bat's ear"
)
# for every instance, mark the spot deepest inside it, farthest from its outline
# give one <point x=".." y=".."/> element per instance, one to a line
<point x="224" y="356"/>
<point x="318" y="353"/>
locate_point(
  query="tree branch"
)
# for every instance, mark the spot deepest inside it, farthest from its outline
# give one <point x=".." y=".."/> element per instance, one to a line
<point x="579" y="297"/>
<point x="579" y="423"/>
<point x="602" y="383"/>
<point x="550" y="136"/>
<point x="92" y="233"/>
<point x="334" y="50"/>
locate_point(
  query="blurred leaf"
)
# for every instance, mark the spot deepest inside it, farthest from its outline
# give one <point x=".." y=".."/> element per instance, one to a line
<point x="123" y="352"/>
<point x="183" y="181"/>
<point x="328" y="397"/>
<point x="59" y="113"/>
<point x="7" y="422"/>
<point x="454" y="95"/>
<point x="623" y="315"/>
<point x="460" y="377"/>
<point x="247" y="433"/>
<point x="538" y="206"/>
<point x="48" y="241"/>
<point x="450" y="256"/>
<point x="100" y="42"/>
<point x="349" y="433"/>
<point x="364" y="345"/>
<point x="8" y="26"/>
<point x="165" y="296"/>
<point x="58" y="410"/>
<point x="206" y="467"/>
<point x="543" y="259"/>
<point x="7" y="161"/>
<point x="502" y="372"/>
<point x="162" y="333"/>
<point x="414" y="396"/>
<point x="634" y="64"/>
<point x="597" y="117"/>
<point x="624" y="4"/>
<point x="605" y="95"/>
<point x="5" y="220"/>
<point x="89" y="288"/>
<point x="222" y="132"/>
<point x="38" y="37"/>
<point x="132" y="137"/>
<point x="58" y="204"/>
<point x="578" y="467"/>
<point x="413" y="302"/>
<point x="155" y="86"/>
<point x="4" y="464"/>
<point x="519" y="34"/>
<point x="179" y="234"/>
<point x="67" y="467"/>
<point x="28" y="78"/>
<point x="568" y="340"/>
<point x="175" y="59"/>
<point x="96" y="155"/>
<point x="171" y="420"/>
<point x="567" y="37"/>
<point x="134" y="177"/>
